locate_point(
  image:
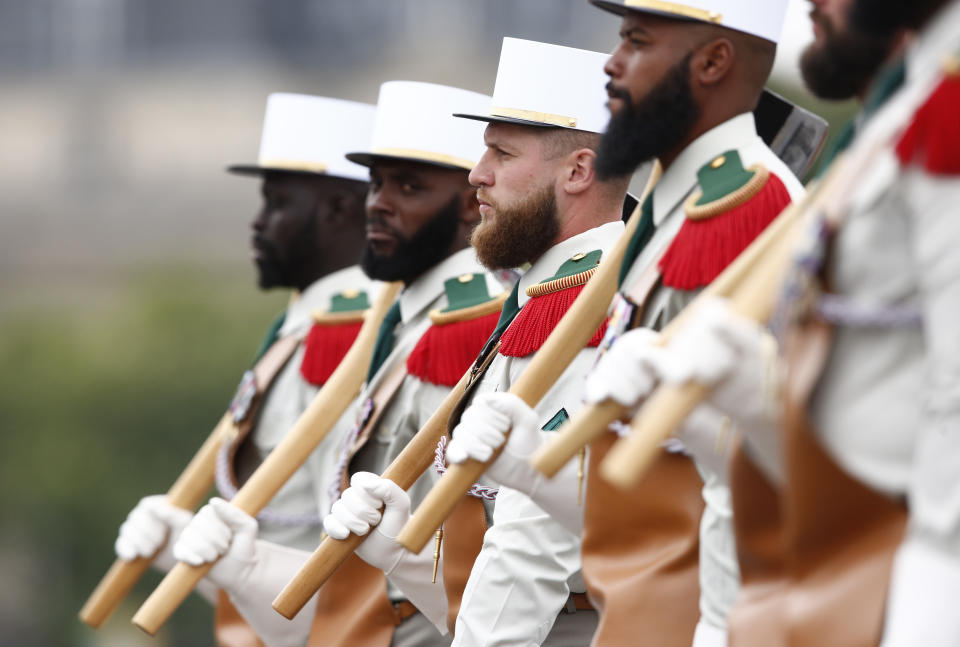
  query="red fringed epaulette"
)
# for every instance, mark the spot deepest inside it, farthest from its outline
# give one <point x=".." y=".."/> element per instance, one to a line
<point x="932" y="141"/>
<point x="327" y="343"/>
<point x="449" y="347"/>
<point x="739" y="204"/>
<point x="548" y="302"/>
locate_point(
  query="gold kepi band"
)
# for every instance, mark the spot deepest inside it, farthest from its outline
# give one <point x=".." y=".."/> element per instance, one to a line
<point x="281" y="164"/>
<point x="530" y="115"/>
<point x="678" y="9"/>
<point x="426" y="156"/>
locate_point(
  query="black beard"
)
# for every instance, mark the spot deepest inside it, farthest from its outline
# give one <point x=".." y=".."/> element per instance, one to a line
<point x="417" y="254"/>
<point x="271" y="271"/>
<point x="656" y="125"/>
<point x="518" y="234"/>
<point x="842" y="67"/>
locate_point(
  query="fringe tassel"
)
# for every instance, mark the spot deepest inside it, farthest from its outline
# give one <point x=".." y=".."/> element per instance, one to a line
<point x="536" y="321"/>
<point x="933" y="139"/>
<point x="702" y="249"/>
<point x="444" y="353"/>
<point x="325" y="347"/>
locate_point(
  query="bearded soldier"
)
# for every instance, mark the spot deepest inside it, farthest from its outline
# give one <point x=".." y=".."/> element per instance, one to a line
<point x="845" y="491"/>
<point x="307" y="237"/>
<point x="511" y="576"/>
<point x="684" y="81"/>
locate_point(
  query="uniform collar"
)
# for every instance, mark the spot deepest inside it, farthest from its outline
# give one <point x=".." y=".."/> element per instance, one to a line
<point x="602" y="237"/>
<point x="421" y="293"/>
<point x="940" y="36"/>
<point x="677" y="180"/>
<point x="318" y="295"/>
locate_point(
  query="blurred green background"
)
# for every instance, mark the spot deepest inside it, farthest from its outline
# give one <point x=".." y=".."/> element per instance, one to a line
<point x="128" y="306"/>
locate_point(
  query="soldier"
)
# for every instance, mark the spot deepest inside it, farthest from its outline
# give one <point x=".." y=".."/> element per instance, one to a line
<point x="845" y="491"/>
<point x="420" y="211"/>
<point x="683" y="82"/>
<point x="543" y="204"/>
<point x="307" y="237"/>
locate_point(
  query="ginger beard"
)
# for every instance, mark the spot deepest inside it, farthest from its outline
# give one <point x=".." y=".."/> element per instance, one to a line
<point x="518" y="233"/>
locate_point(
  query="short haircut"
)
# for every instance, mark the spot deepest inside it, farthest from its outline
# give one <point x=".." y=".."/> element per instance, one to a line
<point x="558" y="142"/>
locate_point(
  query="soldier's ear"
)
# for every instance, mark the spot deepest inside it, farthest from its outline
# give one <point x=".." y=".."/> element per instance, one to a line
<point x="712" y="61"/>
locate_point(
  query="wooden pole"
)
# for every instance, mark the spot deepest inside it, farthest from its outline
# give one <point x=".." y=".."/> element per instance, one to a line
<point x="186" y="492"/>
<point x="562" y="346"/>
<point x="405" y="469"/>
<point x="309" y="430"/>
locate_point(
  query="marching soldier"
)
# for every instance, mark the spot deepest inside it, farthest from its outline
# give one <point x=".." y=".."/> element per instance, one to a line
<point x="845" y="490"/>
<point x="684" y="81"/>
<point x="420" y="211"/>
<point x="541" y="201"/>
<point x="307" y="237"/>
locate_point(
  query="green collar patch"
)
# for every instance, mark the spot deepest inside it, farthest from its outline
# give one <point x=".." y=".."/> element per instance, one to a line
<point x="349" y="301"/>
<point x="721" y="177"/>
<point x="574" y="272"/>
<point x="465" y="291"/>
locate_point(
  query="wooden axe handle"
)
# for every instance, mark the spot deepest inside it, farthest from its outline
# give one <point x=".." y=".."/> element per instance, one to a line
<point x="186" y="492"/>
<point x="405" y="469"/>
<point x="308" y="432"/>
<point x="570" y="336"/>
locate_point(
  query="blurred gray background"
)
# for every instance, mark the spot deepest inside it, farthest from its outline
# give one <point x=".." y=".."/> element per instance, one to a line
<point x="128" y="307"/>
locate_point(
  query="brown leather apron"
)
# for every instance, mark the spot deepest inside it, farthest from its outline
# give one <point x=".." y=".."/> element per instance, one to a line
<point x="640" y="552"/>
<point x="829" y="587"/>
<point x="641" y="547"/>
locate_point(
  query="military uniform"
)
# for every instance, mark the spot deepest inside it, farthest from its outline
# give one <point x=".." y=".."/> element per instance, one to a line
<point x="526" y="580"/>
<point x="870" y="400"/>
<point x="658" y="280"/>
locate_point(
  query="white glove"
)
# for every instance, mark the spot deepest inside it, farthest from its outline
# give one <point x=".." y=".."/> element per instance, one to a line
<point x="358" y="511"/>
<point x="251" y="571"/>
<point x="922" y="604"/>
<point x="153" y="525"/>
<point x="733" y="354"/>
<point x="482" y="430"/>
<point x="627" y="373"/>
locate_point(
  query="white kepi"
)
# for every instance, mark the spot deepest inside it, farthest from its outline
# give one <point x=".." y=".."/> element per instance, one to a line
<point x="415" y="122"/>
<point x="539" y="84"/>
<point x="307" y="134"/>
<point x="763" y="18"/>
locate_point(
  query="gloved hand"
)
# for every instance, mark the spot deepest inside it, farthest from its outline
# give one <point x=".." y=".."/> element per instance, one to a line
<point x="153" y="525"/>
<point x="220" y="531"/>
<point x="358" y="511"/>
<point x="483" y="429"/>
<point x="735" y="355"/>
<point x="628" y="372"/>
<point x="251" y="571"/>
